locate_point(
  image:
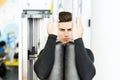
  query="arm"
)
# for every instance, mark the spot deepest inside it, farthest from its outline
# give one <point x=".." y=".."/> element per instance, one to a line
<point x="44" y="63"/>
<point x="84" y="64"/>
<point x="45" y="60"/>
<point x="90" y="54"/>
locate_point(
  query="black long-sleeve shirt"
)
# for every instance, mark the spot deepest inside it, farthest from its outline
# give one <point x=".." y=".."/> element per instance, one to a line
<point x="83" y="57"/>
<point x="84" y="61"/>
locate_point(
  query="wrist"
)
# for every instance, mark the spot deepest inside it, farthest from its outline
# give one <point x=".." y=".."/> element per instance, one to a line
<point x="53" y="36"/>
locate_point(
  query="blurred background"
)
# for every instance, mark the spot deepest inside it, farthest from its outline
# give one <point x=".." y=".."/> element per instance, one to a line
<point x="23" y="33"/>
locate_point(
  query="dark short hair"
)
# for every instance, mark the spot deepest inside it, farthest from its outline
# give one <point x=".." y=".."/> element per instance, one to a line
<point x="65" y="16"/>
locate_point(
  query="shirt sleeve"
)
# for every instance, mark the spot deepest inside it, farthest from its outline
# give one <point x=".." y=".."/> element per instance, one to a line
<point x="84" y="64"/>
<point x="44" y="63"/>
<point x="90" y="54"/>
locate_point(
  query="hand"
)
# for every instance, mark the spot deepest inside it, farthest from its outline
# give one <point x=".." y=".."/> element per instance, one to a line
<point x="77" y="29"/>
<point x="52" y="26"/>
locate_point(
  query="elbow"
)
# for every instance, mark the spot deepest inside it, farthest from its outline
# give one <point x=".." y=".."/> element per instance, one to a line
<point x="40" y="71"/>
<point x="91" y="73"/>
<point x="88" y="74"/>
<point x="36" y="70"/>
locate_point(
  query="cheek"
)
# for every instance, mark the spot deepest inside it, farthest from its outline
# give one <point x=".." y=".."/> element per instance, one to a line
<point x="60" y="34"/>
<point x="70" y="33"/>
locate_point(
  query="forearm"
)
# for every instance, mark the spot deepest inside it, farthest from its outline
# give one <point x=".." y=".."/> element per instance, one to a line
<point x="84" y="64"/>
<point x="45" y="60"/>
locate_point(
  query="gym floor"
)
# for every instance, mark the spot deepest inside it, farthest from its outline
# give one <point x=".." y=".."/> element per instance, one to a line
<point x="12" y="73"/>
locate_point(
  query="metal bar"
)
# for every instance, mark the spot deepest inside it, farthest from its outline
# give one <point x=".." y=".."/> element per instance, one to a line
<point x="55" y="10"/>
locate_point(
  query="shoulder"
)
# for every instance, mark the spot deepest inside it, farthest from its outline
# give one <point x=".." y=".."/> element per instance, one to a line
<point x="90" y="54"/>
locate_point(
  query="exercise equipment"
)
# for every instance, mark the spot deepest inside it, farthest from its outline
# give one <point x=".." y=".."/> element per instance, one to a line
<point x="70" y="65"/>
<point x="57" y="72"/>
<point x="64" y="67"/>
<point x="32" y="25"/>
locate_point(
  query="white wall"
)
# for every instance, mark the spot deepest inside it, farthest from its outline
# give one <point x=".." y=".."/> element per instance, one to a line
<point x="105" y="40"/>
<point x="36" y="4"/>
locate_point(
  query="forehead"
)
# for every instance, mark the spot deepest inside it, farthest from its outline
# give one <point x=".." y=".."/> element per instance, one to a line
<point x="65" y="24"/>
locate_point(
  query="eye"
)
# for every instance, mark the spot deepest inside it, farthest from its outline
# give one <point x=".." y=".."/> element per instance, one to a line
<point x="69" y="29"/>
<point x="62" y="29"/>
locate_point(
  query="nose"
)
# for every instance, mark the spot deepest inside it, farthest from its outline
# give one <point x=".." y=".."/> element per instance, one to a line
<point x="66" y="33"/>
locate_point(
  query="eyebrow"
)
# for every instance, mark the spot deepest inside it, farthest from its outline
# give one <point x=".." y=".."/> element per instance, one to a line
<point x="61" y="28"/>
<point x="64" y="29"/>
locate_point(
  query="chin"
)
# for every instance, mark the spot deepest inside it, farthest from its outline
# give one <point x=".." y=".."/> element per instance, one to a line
<point x="66" y="42"/>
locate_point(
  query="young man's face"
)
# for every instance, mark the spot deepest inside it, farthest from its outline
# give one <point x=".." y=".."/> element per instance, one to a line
<point x="65" y="31"/>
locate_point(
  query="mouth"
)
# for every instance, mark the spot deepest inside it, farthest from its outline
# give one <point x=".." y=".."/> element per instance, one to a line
<point x="66" y="39"/>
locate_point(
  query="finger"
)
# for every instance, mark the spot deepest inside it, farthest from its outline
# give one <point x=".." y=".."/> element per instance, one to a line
<point x="51" y="18"/>
<point x="77" y="22"/>
<point x="78" y="19"/>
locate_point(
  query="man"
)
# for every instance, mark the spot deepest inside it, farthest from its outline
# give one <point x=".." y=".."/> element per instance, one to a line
<point x="84" y="57"/>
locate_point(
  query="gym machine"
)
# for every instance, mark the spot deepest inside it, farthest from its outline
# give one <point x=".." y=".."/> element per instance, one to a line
<point x="34" y="35"/>
<point x="32" y="24"/>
